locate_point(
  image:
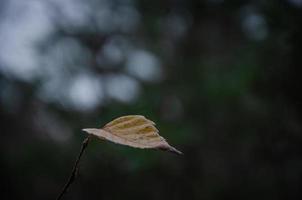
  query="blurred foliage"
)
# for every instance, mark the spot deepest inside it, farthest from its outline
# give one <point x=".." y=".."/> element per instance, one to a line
<point x="222" y="80"/>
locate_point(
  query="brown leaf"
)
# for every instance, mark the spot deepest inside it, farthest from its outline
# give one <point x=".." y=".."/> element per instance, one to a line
<point x="133" y="130"/>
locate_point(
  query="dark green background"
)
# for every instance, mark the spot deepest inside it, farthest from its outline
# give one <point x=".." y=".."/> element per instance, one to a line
<point x="228" y="96"/>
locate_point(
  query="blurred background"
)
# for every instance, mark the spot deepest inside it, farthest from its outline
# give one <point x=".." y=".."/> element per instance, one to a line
<point x="222" y="80"/>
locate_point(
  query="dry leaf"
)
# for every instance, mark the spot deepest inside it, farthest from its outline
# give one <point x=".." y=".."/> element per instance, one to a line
<point x="133" y="130"/>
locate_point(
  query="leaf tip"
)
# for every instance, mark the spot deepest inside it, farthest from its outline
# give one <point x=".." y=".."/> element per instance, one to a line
<point x="170" y="149"/>
<point x="89" y="130"/>
<point x="174" y="150"/>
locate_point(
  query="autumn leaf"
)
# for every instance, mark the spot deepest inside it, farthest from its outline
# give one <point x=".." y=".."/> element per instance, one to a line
<point x="133" y="130"/>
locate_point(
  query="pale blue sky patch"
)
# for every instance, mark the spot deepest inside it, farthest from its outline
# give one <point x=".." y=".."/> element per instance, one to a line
<point x="23" y="25"/>
<point x="122" y="88"/>
<point x="144" y="65"/>
<point x="85" y="92"/>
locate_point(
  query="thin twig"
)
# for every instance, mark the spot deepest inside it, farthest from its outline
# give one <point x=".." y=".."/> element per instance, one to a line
<point x="75" y="169"/>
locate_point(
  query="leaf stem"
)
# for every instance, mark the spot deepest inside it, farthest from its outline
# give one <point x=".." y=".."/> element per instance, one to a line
<point x="75" y="169"/>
